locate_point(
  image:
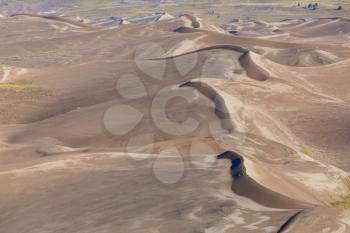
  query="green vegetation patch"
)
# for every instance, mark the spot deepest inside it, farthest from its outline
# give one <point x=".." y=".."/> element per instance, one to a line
<point x="306" y="150"/>
<point x="25" y="87"/>
<point x="345" y="199"/>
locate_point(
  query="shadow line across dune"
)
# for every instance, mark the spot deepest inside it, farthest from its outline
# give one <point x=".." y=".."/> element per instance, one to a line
<point x="243" y="185"/>
<point x="254" y="71"/>
<point x="221" y="110"/>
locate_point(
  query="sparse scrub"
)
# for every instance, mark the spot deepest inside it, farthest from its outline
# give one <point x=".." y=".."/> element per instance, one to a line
<point x="306" y="151"/>
<point x="345" y="199"/>
<point x="26" y="88"/>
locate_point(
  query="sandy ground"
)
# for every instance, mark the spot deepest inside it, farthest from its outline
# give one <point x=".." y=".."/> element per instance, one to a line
<point x="117" y="129"/>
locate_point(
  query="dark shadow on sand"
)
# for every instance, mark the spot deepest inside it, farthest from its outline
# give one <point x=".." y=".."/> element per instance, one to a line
<point x="245" y="186"/>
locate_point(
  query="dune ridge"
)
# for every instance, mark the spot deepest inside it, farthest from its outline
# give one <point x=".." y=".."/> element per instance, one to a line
<point x="221" y="110"/>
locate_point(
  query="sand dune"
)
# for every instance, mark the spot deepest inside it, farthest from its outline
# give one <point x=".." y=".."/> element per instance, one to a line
<point x="221" y="110"/>
<point x="192" y="20"/>
<point x="107" y="129"/>
<point x="247" y="187"/>
<point x="55" y="18"/>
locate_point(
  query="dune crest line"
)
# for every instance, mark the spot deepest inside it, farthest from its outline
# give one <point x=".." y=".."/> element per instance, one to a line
<point x="254" y="71"/>
<point x="221" y="110"/>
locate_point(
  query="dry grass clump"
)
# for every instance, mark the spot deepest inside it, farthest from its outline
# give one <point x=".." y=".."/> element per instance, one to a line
<point x="345" y="199"/>
<point x="306" y="150"/>
<point x="24" y="87"/>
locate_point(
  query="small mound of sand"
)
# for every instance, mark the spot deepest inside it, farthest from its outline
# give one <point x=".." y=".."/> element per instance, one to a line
<point x="165" y="16"/>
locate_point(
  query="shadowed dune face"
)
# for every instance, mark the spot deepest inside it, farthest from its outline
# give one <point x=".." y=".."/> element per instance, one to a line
<point x="107" y="129"/>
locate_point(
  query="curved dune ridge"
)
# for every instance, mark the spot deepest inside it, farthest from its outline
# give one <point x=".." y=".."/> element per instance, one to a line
<point x="244" y="185"/>
<point x="253" y="70"/>
<point x="221" y="110"/>
<point x="290" y="54"/>
<point x="174" y="126"/>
